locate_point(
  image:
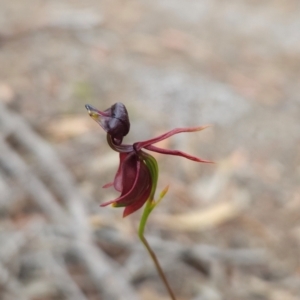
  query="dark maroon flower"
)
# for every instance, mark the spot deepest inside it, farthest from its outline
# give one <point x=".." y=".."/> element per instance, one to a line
<point x="114" y="120"/>
<point x="133" y="180"/>
<point x="137" y="174"/>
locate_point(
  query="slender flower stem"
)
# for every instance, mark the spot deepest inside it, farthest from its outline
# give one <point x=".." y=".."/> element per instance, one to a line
<point x="148" y="209"/>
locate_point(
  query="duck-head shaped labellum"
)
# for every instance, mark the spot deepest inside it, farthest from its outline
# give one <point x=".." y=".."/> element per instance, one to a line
<point x="114" y="120"/>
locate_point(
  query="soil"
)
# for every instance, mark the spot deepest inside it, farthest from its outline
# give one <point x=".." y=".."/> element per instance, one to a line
<point x="234" y="65"/>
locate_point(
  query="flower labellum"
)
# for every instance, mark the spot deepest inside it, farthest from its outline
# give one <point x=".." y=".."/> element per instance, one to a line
<point x="137" y="175"/>
<point x="114" y="120"/>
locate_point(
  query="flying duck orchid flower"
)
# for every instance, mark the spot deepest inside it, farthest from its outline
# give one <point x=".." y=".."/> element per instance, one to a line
<point x="137" y="175"/>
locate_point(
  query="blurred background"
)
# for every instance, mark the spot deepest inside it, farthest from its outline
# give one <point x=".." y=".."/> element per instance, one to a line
<point x="228" y="231"/>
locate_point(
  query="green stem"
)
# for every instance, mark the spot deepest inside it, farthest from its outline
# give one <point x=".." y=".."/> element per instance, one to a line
<point x="148" y="208"/>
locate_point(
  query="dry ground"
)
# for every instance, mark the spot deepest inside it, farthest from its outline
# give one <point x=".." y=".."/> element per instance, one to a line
<point x="226" y="231"/>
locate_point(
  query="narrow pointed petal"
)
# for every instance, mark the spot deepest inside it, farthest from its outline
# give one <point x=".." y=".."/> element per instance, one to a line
<point x="107" y="185"/>
<point x="166" y="135"/>
<point x="177" y="153"/>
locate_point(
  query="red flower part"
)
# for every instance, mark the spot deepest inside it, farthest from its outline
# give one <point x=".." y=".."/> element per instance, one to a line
<point x="148" y="144"/>
<point x="166" y="135"/>
<point x="113" y="120"/>
<point x="176" y="153"/>
<point x="133" y="180"/>
<point x="136" y="177"/>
